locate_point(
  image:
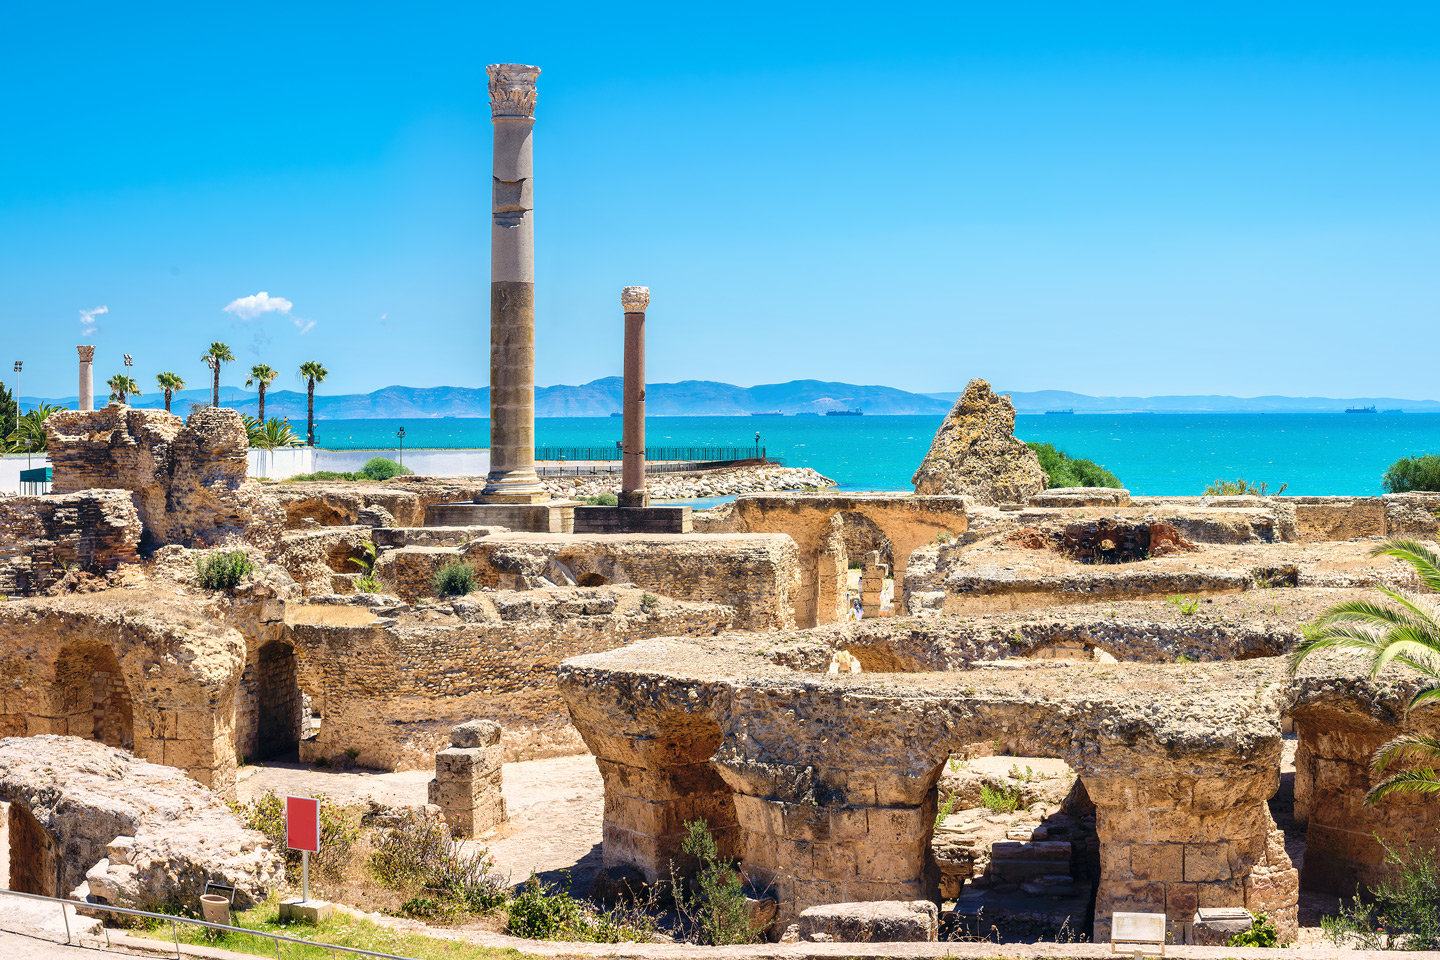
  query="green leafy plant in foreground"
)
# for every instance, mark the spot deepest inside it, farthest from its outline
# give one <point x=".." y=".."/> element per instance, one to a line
<point x="419" y="853"/>
<point x="339" y="829"/>
<point x="999" y="799"/>
<point x="717" y="907"/>
<point x="1400" y="913"/>
<point x="1063" y="470"/>
<point x="1261" y="933"/>
<point x="455" y="579"/>
<point x="1186" y="605"/>
<point x="602" y="500"/>
<point x="222" y="569"/>
<point x="1407" y="631"/>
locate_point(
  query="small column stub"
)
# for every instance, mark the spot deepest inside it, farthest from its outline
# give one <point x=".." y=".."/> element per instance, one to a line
<point x="512" y="477"/>
<point x="87" y="376"/>
<point x="635" y="301"/>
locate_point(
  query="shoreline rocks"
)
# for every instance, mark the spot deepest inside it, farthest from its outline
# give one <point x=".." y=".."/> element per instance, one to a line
<point x="701" y="483"/>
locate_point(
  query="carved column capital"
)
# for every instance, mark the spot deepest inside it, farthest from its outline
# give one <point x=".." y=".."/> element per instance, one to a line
<point x="635" y="299"/>
<point x="512" y="90"/>
<point x="87" y="353"/>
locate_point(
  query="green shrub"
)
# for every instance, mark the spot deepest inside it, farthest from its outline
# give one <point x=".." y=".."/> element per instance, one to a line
<point x="1261" y="933"/>
<point x="339" y="829"/>
<point x="1063" y="470"/>
<point x="716" y="910"/>
<point x="455" y="579"/>
<point x="1413" y="473"/>
<point x="649" y="603"/>
<point x="603" y="500"/>
<point x="1401" y="913"/>
<point x="222" y="569"/>
<point x="323" y="475"/>
<point x="419" y="853"/>
<point x="541" y="912"/>
<point x="1241" y="488"/>
<point x="380" y="468"/>
<point x="999" y="799"/>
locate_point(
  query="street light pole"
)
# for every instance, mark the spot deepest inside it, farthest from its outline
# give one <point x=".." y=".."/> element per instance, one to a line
<point x="18" y="365"/>
<point x="400" y="435"/>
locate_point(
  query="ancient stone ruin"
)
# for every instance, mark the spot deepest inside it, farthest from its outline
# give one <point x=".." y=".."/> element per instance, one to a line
<point x="975" y="453"/>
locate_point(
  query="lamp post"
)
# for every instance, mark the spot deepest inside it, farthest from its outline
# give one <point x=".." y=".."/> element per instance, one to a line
<point x="400" y="435"/>
<point x="18" y="365"/>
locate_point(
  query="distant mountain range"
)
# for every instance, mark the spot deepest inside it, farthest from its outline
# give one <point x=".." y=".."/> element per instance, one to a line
<point x="693" y="398"/>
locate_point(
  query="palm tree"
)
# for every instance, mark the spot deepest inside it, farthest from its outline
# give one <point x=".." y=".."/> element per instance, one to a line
<point x="169" y="383"/>
<point x="219" y="353"/>
<point x="270" y="434"/>
<point x="122" y="387"/>
<point x="1407" y="632"/>
<point x="263" y="375"/>
<point x="29" y="434"/>
<point x="312" y="373"/>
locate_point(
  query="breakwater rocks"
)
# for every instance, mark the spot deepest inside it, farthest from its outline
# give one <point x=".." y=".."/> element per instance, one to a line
<point x="701" y="483"/>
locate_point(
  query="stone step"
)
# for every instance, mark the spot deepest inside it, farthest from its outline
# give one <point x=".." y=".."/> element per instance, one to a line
<point x="1052" y="850"/>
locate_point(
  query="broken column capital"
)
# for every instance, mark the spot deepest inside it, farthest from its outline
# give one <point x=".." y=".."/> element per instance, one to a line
<point x="512" y="90"/>
<point x="635" y="299"/>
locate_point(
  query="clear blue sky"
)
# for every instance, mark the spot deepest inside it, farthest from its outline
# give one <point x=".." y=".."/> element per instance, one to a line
<point x="1113" y="198"/>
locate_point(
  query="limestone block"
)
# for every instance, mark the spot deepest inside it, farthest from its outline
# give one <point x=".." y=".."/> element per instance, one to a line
<point x="475" y="733"/>
<point x="1215" y="926"/>
<point x="916" y="921"/>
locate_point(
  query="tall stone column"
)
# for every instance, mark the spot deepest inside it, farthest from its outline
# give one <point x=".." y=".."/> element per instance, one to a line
<point x="512" y="476"/>
<point x="87" y="377"/>
<point x="632" y="476"/>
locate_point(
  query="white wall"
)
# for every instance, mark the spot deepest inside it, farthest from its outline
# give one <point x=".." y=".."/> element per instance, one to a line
<point x="288" y="462"/>
<point x="11" y="465"/>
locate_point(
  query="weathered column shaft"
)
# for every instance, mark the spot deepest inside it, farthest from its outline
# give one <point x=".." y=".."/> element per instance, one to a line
<point x="87" y="377"/>
<point x="512" y="476"/>
<point x="635" y="300"/>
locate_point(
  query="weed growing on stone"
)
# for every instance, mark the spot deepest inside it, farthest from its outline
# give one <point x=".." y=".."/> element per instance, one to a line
<point x="999" y="800"/>
<point x="602" y="500"/>
<point x="945" y="810"/>
<point x="222" y="569"/>
<point x="455" y="579"/>
<point x="1186" y="605"/>
<point x="1240" y="488"/>
<point x="649" y="603"/>
<point x="419" y="854"/>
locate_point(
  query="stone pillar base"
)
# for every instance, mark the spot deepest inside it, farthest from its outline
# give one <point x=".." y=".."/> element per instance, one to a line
<point x="307" y="911"/>
<point x="634" y="498"/>
<point x="528" y="498"/>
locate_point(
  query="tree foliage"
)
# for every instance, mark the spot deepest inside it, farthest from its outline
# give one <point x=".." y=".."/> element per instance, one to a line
<point x="1062" y="470"/>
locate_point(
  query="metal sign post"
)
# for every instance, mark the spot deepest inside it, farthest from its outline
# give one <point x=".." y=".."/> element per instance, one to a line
<point x="302" y="832"/>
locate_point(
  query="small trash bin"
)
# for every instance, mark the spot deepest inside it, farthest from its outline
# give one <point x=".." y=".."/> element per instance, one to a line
<point x="217" y="909"/>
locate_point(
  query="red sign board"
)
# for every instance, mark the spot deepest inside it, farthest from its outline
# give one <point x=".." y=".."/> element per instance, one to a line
<point x="302" y="824"/>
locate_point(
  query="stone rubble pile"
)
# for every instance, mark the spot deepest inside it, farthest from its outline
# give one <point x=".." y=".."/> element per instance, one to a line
<point x="689" y="486"/>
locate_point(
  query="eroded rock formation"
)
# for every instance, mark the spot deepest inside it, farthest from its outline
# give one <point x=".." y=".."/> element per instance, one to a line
<point x="975" y="452"/>
<point x="142" y="835"/>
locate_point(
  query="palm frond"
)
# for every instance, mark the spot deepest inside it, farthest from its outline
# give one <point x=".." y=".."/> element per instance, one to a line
<point x="1428" y="694"/>
<point x="1423" y="560"/>
<point x="1410" y="746"/>
<point x="1407" y="781"/>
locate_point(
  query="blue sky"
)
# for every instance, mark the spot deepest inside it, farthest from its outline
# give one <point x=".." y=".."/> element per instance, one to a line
<point x="1115" y="198"/>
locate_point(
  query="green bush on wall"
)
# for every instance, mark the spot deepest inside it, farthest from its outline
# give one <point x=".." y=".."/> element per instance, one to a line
<point x="380" y="468"/>
<point x="1062" y="470"/>
<point x="1413" y="473"/>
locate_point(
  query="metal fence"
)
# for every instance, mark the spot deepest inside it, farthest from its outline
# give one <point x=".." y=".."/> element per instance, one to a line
<point x="612" y="468"/>
<point x="653" y="454"/>
<point x="277" y="938"/>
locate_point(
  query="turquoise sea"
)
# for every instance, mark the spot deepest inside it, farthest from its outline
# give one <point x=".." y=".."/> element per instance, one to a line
<point x="1174" y="454"/>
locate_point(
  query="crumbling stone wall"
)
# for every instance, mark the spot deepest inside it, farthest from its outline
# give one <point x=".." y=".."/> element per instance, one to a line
<point x="975" y="452"/>
<point x="187" y="479"/>
<point x="833" y="780"/>
<point x="331" y="504"/>
<point x="755" y="575"/>
<point x="390" y="688"/>
<point x="816" y="522"/>
<point x="42" y="537"/>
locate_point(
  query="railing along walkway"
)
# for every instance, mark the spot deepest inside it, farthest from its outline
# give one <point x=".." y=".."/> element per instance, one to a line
<point x="334" y="948"/>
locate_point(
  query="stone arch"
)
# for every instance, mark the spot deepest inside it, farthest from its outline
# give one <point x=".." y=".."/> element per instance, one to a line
<point x="90" y="697"/>
<point x="862" y="535"/>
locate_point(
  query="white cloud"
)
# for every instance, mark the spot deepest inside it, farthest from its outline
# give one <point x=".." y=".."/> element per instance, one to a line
<point x="248" y="308"/>
<point x="87" y="320"/>
<point x="304" y="326"/>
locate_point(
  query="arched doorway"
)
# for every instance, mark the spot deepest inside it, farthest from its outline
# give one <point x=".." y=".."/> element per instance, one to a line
<point x="91" y="695"/>
<point x="278" y="705"/>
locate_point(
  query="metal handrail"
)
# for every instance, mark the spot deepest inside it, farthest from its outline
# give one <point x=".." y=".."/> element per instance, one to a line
<point x="175" y="932"/>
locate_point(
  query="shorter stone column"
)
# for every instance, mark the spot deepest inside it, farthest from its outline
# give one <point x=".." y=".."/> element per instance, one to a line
<point x="87" y="377"/>
<point x="872" y="584"/>
<point x="467" y="784"/>
<point x="635" y="300"/>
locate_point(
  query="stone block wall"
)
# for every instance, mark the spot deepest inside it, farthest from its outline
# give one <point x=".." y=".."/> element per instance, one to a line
<point x="187" y="480"/>
<point x="40" y="537"/>
<point x="1319" y="519"/>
